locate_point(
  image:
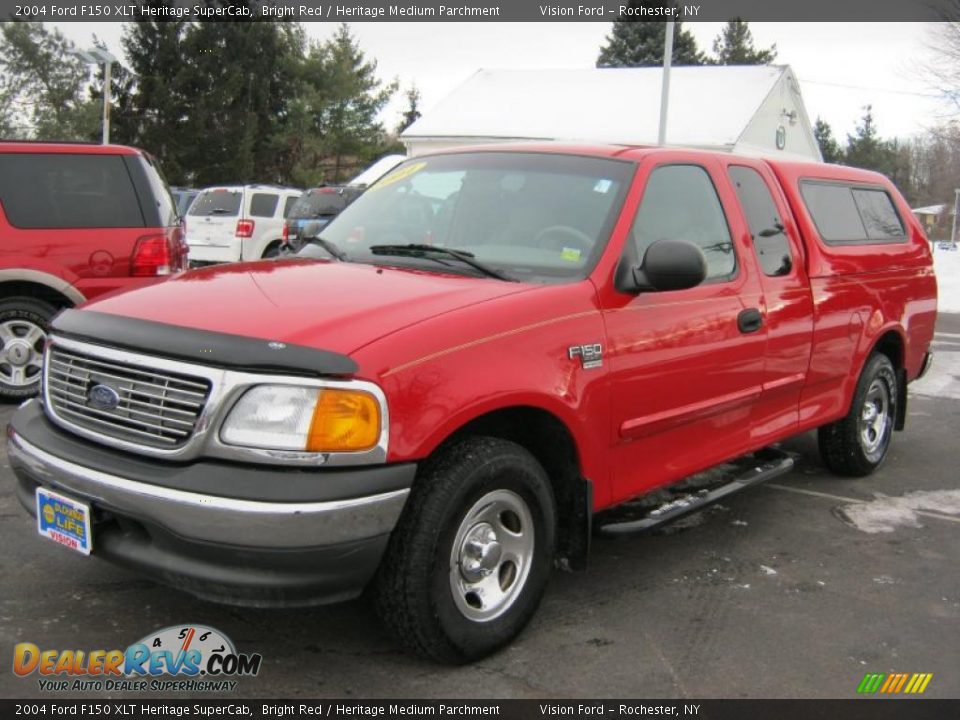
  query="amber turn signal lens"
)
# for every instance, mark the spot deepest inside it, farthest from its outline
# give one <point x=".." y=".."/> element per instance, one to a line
<point x="344" y="421"/>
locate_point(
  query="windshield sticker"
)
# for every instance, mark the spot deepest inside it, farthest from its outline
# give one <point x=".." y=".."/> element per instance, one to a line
<point x="570" y="254"/>
<point x="401" y="174"/>
<point x="603" y="185"/>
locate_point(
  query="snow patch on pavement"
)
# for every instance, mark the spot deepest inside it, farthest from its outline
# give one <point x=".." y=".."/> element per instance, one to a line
<point x="886" y="514"/>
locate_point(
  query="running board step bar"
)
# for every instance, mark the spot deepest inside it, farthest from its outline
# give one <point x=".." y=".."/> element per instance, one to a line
<point x="738" y="475"/>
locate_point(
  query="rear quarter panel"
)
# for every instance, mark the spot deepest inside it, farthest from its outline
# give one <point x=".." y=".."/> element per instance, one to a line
<point x="860" y="292"/>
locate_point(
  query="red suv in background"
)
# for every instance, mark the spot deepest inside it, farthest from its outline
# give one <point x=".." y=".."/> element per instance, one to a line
<point x="76" y="221"/>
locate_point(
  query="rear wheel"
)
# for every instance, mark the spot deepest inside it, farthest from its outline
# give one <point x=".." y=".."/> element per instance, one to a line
<point x="23" y="332"/>
<point x="857" y="444"/>
<point x="469" y="560"/>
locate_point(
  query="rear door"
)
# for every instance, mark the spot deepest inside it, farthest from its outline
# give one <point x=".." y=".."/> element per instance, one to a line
<point x="787" y="304"/>
<point x="685" y="370"/>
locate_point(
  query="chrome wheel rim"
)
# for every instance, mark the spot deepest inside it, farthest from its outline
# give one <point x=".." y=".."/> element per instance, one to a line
<point x="875" y="418"/>
<point x="491" y="555"/>
<point x="21" y="357"/>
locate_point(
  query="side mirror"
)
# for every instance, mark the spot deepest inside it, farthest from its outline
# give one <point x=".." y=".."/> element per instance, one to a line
<point x="667" y="265"/>
<point x="310" y="231"/>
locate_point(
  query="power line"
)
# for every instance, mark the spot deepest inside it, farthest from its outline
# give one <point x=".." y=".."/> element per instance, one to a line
<point x="870" y="89"/>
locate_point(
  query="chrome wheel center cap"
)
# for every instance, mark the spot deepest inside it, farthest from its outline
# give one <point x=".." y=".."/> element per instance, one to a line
<point x="480" y="552"/>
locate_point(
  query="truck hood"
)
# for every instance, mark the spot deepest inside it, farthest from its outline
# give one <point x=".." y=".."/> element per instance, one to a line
<point x="326" y="305"/>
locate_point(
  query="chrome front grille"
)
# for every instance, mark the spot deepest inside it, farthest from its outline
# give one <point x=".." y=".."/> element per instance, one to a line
<point x="150" y="407"/>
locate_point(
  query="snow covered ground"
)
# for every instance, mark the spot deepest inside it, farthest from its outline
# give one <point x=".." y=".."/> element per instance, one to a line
<point x="943" y="379"/>
<point x="946" y="264"/>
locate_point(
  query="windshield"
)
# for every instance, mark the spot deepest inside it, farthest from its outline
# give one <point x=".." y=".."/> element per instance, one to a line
<point x="533" y="217"/>
<point x="217" y="202"/>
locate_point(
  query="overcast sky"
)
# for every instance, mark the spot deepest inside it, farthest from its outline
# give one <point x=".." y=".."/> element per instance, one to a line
<point x="841" y="66"/>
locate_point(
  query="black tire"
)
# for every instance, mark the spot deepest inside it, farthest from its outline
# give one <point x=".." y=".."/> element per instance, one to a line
<point x="17" y="316"/>
<point x="414" y="590"/>
<point x="272" y="250"/>
<point x="855" y="446"/>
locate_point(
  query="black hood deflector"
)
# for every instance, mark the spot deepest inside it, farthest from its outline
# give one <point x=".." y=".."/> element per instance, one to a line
<point x="235" y="352"/>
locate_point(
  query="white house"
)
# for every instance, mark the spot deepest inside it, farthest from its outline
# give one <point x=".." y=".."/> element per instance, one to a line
<point x="752" y="110"/>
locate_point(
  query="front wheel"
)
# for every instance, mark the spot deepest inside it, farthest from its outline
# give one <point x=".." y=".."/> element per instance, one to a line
<point x="856" y="444"/>
<point x="469" y="560"/>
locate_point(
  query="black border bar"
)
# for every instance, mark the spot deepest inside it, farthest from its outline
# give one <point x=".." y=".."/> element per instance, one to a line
<point x="856" y="709"/>
<point x="337" y="11"/>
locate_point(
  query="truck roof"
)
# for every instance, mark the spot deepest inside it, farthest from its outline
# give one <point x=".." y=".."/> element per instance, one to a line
<point x="792" y="169"/>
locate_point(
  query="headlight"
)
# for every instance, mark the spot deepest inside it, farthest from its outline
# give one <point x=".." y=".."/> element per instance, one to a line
<point x="304" y="419"/>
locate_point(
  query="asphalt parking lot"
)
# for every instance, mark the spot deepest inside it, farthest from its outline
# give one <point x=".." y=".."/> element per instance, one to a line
<point x="792" y="589"/>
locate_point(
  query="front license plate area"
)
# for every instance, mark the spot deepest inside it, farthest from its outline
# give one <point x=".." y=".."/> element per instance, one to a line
<point x="64" y="520"/>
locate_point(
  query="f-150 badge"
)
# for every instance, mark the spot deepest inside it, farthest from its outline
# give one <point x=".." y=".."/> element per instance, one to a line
<point x="591" y="356"/>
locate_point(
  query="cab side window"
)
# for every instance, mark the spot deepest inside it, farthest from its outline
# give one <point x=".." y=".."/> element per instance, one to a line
<point x="766" y="226"/>
<point x="681" y="203"/>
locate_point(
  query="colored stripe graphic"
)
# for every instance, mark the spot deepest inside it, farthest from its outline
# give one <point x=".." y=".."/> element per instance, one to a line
<point x="870" y="683"/>
<point x="893" y="683"/>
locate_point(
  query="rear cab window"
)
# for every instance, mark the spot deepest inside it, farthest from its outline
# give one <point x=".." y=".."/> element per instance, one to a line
<point x="58" y="190"/>
<point x="852" y="213"/>
<point x="220" y="202"/>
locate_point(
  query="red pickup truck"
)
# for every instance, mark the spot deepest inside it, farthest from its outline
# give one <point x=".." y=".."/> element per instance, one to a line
<point x="464" y="375"/>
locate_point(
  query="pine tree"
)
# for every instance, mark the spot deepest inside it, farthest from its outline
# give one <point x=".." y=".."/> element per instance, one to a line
<point x="412" y="113"/>
<point x="640" y="43"/>
<point x="353" y="97"/>
<point x="829" y="147"/>
<point x="238" y="79"/>
<point x="734" y="46"/>
<point x="155" y="114"/>
<point x="865" y="148"/>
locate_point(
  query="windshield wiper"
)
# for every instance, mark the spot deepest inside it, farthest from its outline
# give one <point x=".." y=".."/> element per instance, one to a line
<point x="420" y="250"/>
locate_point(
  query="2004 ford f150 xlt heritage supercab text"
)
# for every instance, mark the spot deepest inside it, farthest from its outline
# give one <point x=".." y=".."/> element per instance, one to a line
<point x="453" y="385"/>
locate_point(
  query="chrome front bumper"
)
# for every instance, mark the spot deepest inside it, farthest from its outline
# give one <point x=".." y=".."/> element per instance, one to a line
<point x="210" y="518"/>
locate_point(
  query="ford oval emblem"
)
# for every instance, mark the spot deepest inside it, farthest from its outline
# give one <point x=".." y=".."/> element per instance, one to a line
<point x="103" y="397"/>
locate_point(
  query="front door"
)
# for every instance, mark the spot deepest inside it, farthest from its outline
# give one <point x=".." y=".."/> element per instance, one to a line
<point x="686" y="370"/>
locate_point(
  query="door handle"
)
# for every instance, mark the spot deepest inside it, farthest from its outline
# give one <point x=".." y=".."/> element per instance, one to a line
<point x="749" y="320"/>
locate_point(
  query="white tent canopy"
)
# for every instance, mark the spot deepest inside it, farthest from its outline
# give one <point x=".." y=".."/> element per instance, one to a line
<point x="751" y="110"/>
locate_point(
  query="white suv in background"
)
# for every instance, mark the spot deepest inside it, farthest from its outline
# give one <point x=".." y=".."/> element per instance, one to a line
<point x="238" y="222"/>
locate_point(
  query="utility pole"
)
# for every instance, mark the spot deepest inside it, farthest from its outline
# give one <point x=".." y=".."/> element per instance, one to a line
<point x="665" y="86"/>
<point x="956" y="204"/>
